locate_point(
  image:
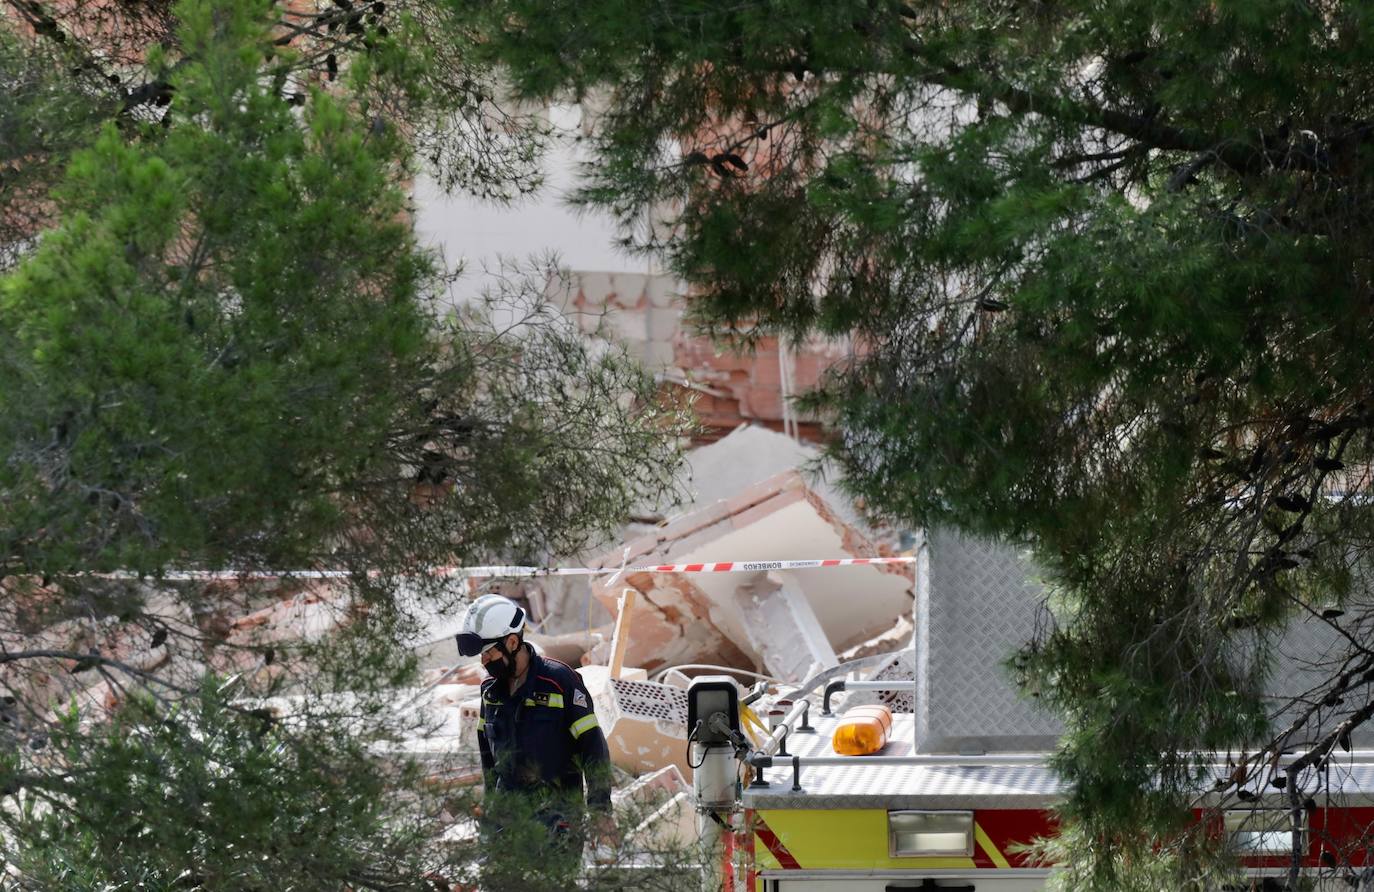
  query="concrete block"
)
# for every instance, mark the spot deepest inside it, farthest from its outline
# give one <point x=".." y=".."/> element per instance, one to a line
<point x="589" y="323"/>
<point x="663" y="324"/>
<point x="596" y="287"/>
<point x="662" y="291"/>
<point x="625" y="325"/>
<point x="627" y="291"/>
<point x="645" y="723"/>
<point x="783" y="629"/>
<point x="639" y="350"/>
<point x="657" y="355"/>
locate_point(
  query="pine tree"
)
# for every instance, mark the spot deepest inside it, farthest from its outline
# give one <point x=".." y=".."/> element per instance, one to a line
<point x="222" y="349"/>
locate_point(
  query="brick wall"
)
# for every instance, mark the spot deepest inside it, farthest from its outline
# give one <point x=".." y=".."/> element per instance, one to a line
<point x="728" y="387"/>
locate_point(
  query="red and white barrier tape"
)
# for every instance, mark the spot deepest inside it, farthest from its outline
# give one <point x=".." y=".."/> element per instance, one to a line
<point x="527" y="572"/>
<point x="704" y="567"/>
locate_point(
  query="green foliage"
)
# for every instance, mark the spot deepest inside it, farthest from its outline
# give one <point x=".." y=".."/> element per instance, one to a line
<point x="1107" y="265"/>
<point x="218" y="796"/>
<point x="202" y="332"/>
<point x="214" y="796"/>
<point x="1141" y="862"/>
<point x="46" y="115"/>
<point x="228" y="352"/>
<point x="221" y="348"/>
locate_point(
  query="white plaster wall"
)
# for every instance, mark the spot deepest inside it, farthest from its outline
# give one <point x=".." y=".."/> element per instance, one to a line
<point x="473" y="232"/>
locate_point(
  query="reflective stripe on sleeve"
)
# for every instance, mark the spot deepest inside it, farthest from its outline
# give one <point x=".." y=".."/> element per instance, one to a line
<point x="481" y="724"/>
<point x="583" y="725"/>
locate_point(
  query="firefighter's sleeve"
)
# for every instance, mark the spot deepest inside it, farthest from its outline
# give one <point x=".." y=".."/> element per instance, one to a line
<point x="592" y="753"/>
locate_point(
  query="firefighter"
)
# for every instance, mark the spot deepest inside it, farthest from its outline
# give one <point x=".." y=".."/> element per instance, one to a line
<point x="538" y="733"/>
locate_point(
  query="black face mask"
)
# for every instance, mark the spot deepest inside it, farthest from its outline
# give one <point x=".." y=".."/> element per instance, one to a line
<point x="504" y="668"/>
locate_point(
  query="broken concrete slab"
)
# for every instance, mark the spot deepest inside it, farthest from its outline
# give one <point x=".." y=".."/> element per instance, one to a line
<point x="717" y="477"/>
<point x="662" y="807"/>
<point x="645" y="723"/>
<point x="783" y="629"/>
<point x="894" y="639"/>
<point x="747" y="455"/>
<point x="696" y="617"/>
<point x="672" y="626"/>
<point x="596" y="676"/>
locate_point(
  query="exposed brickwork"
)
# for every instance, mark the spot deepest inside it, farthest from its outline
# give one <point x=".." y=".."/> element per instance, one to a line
<point x="727" y="387"/>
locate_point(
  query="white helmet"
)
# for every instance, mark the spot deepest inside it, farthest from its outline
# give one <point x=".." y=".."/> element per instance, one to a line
<point x="490" y="618"/>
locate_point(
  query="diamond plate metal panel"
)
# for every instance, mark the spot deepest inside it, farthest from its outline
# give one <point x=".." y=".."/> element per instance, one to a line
<point x="976" y="606"/>
<point x="977" y="602"/>
<point x="1347" y="782"/>
<point x="1310" y="653"/>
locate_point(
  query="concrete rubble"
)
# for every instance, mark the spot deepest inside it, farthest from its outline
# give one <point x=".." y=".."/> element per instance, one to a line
<point x="701" y="617"/>
<point x="645" y="722"/>
<point x="783" y="629"/>
<point x="638" y="637"/>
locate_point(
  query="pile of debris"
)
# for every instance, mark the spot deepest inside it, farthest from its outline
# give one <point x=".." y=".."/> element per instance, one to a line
<point x="637" y="637"/>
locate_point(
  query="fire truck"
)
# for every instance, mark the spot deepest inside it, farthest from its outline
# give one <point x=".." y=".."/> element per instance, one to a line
<point x="791" y="815"/>
<point x="786" y="813"/>
<point x="962" y="784"/>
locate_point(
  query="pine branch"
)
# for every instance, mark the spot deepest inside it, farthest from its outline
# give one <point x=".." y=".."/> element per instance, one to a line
<point x="1334" y="737"/>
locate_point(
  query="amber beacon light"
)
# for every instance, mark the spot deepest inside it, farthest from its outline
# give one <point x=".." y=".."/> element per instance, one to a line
<point x="863" y="731"/>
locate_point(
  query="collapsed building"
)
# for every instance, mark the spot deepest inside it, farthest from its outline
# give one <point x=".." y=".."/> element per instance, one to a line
<point x="960" y="787"/>
<point x="638" y="637"/>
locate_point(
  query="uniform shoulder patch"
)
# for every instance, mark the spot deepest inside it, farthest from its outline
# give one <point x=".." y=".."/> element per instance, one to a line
<point x="579" y="699"/>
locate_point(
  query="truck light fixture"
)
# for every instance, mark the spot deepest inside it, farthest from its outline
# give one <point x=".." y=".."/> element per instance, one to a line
<point x="863" y="731"/>
<point x="713" y="710"/>
<point x="1254" y="831"/>
<point x="920" y="834"/>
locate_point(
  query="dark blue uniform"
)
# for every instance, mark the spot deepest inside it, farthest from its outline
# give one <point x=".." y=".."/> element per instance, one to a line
<point x="544" y="739"/>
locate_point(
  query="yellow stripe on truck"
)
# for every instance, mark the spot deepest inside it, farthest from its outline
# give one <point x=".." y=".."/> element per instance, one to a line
<point x="850" y="839"/>
<point x="989" y="847"/>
